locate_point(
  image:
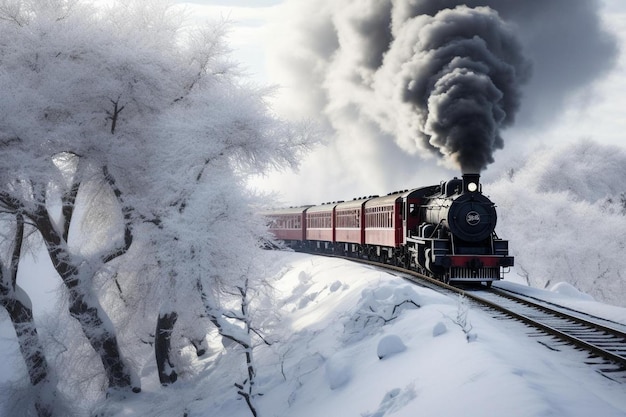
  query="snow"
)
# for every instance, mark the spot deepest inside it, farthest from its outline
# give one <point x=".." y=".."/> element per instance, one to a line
<point x="345" y="339"/>
<point x="571" y="298"/>
<point x="569" y="291"/>
<point x="334" y="321"/>
<point x="333" y="330"/>
<point x="390" y="345"/>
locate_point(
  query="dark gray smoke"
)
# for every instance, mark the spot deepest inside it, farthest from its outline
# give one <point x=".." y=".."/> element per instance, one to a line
<point x="380" y="69"/>
<point x="564" y="39"/>
<point x="462" y="81"/>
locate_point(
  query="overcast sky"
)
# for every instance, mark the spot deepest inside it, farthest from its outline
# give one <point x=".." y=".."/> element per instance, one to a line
<point x="576" y="87"/>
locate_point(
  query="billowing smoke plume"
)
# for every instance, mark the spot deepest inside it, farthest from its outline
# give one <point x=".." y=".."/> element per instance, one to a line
<point x="435" y="77"/>
<point x="453" y="81"/>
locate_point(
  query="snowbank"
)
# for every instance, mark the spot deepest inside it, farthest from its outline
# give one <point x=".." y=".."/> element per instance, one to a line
<point x="334" y="320"/>
<point x="327" y="361"/>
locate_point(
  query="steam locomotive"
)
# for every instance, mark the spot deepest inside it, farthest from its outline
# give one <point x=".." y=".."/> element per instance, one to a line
<point x="446" y="231"/>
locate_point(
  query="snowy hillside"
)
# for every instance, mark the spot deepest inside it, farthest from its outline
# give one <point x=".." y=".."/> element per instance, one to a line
<point x="339" y="349"/>
<point x="336" y="319"/>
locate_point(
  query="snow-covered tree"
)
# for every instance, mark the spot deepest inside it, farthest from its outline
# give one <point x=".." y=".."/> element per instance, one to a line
<point x="53" y="133"/>
<point x="206" y="232"/>
<point x="126" y="142"/>
<point x="562" y="211"/>
<point x="18" y="305"/>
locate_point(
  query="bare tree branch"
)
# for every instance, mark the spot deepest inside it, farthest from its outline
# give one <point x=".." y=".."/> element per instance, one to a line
<point x="113" y="116"/>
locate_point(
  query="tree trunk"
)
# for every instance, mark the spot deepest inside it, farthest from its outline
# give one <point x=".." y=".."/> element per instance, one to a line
<point x="163" y="347"/>
<point x="28" y="339"/>
<point x="98" y="330"/>
<point x="84" y="305"/>
<point x="30" y="347"/>
<point x="13" y="299"/>
<point x="85" y="308"/>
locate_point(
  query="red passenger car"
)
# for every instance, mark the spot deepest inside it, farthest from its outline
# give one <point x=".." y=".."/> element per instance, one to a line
<point x="288" y="224"/>
<point x="389" y="220"/>
<point x="320" y="225"/>
<point x="383" y="226"/>
<point x="383" y="221"/>
<point x="350" y="226"/>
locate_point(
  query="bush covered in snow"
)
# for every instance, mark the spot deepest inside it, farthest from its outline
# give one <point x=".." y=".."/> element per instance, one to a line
<point x="390" y="345"/>
<point x="378" y="307"/>
<point x="563" y="211"/>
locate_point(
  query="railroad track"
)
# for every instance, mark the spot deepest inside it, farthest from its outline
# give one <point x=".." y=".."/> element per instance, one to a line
<point x="554" y="327"/>
<point x="606" y="345"/>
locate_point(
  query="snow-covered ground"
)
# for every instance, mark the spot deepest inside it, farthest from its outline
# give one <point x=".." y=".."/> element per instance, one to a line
<point x="337" y="319"/>
<point x="332" y="311"/>
<point x="340" y="350"/>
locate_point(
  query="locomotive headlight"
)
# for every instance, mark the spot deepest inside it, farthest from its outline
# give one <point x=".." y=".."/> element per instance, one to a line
<point x="472" y="186"/>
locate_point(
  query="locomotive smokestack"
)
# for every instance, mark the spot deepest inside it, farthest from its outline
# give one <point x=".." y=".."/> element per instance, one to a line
<point x="471" y="183"/>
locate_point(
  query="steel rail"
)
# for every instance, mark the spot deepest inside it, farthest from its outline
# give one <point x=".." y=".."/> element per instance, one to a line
<point x="617" y="338"/>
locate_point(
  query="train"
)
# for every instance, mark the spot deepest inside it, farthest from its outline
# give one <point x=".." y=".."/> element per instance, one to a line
<point x="445" y="231"/>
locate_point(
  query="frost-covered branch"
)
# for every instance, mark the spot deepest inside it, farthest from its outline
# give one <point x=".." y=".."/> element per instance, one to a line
<point x="462" y="318"/>
<point x="239" y="335"/>
<point x="18" y="241"/>
<point x="8" y="280"/>
<point x="210" y="51"/>
<point x="10" y="203"/>
<point x="12" y="12"/>
<point x="127" y="215"/>
<point x="382" y="315"/>
<point x="68" y="202"/>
